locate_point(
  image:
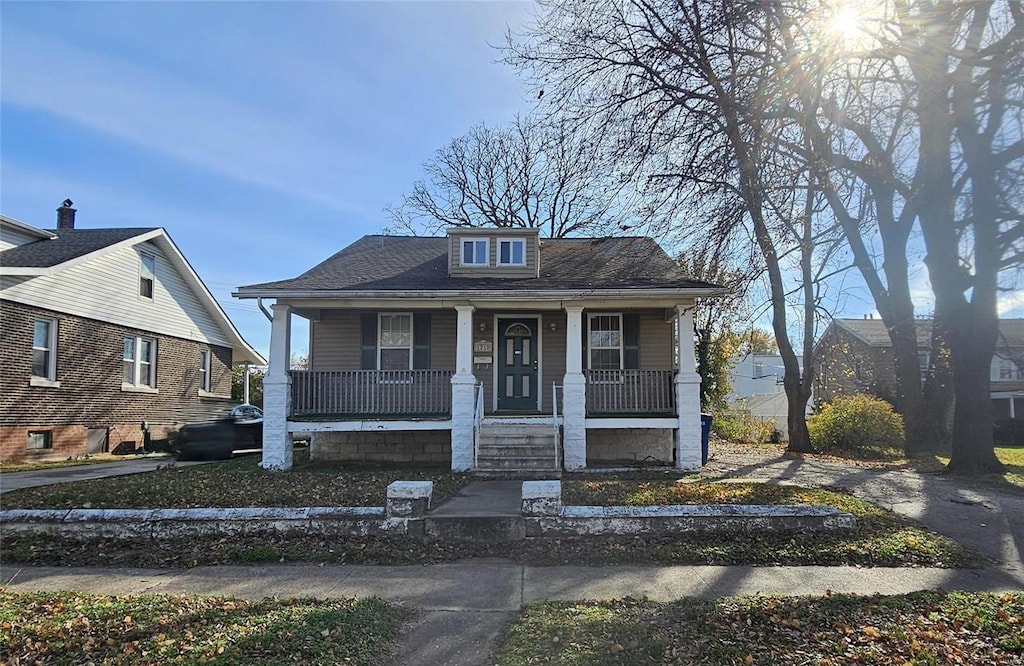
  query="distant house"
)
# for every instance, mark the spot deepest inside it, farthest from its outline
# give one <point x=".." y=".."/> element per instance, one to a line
<point x="109" y="337"/>
<point x="488" y="349"/>
<point x="757" y="390"/>
<point x="855" y="356"/>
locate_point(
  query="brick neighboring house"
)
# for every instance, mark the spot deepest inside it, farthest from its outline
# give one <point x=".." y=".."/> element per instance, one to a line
<point x="488" y="349"/>
<point x="105" y="330"/>
<point x="855" y="356"/>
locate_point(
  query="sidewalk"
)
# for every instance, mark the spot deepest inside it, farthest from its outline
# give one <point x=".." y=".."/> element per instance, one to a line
<point x="46" y="477"/>
<point x="465" y="606"/>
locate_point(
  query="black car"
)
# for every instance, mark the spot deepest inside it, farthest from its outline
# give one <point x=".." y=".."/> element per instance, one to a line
<point x="218" y="439"/>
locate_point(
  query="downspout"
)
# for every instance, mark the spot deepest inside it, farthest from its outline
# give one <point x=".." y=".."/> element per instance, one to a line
<point x="263" y="309"/>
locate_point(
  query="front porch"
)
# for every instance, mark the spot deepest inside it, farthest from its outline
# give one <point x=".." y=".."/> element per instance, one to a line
<point x="505" y="367"/>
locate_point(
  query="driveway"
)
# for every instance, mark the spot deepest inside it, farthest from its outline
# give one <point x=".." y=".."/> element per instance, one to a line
<point x="46" y="477"/>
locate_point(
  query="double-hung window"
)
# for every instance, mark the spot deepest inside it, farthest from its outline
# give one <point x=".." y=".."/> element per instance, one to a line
<point x="139" y="362"/>
<point x="44" y="349"/>
<point x="605" y="342"/>
<point x="1008" y="370"/>
<point x="512" y="252"/>
<point x="395" y="342"/>
<point x="204" y="370"/>
<point x="147" y="274"/>
<point x="475" y="252"/>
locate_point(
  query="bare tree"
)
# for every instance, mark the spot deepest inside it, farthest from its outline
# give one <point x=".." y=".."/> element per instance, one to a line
<point x="684" y="94"/>
<point x="527" y="174"/>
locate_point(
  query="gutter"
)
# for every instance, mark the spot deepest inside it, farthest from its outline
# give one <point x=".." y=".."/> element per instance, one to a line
<point x="544" y="295"/>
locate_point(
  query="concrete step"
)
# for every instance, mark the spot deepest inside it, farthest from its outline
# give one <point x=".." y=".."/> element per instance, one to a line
<point x="547" y="462"/>
<point x="516" y="429"/>
<point x="518" y="474"/>
<point x="515" y="450"/>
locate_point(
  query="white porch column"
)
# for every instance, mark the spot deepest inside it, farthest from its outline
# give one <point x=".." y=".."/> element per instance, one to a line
<point x="574" y="393"/>
<point x="688" y="436"/>
<point x="463" y="398"/>
<point x="277" y="394"/>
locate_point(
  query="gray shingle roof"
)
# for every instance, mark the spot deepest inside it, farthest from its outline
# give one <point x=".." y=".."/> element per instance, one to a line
<point x="398" y="263"/>
<point x="69" y="244"/>
<point x="873" y="331"/>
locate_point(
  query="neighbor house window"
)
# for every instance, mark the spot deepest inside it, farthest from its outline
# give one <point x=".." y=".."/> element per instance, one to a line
<point x="923" y="360"/>
<point x="605" y="342"/>
<point x="204" y="369"/>
<point x="44" y="349"/>
<point x="512" y="252"/>
<point x="39" y="441"/>
<point x="1009" y="370"/>
<point x="139" y="361"/>
<point x="395" y="342"/>
<point x="147" y="273"/>
<point x="474" y="252"/>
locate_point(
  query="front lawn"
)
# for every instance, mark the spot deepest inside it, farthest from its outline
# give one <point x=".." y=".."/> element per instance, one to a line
<point x="68" y="628"/>
<point x="1012" y="457"/>
<point x="237" y="483"/>
<point x="880" y="538"/>
<point x="920" y="628"/>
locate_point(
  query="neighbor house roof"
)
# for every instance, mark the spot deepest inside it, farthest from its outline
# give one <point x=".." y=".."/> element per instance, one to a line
<point x="404" y="263"/>
<point x="62" y="248"/>
<point x="873" y="332"/>
<point x="65" y="245"/>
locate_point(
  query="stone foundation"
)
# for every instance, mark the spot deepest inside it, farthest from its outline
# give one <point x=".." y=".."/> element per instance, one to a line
<point x="630" y="445"/>
<point x="412" y="446"/>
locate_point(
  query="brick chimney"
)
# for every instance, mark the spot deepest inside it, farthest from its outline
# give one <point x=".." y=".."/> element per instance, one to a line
<point x="66" y="215"/>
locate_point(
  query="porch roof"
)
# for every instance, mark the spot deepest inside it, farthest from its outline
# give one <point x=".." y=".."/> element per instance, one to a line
<point x="382" y="264"/>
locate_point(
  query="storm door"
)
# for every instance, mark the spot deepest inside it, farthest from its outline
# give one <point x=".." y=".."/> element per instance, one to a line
<point x="517" y="365"/>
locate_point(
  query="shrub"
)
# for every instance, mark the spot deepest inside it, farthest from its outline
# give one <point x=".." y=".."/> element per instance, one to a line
<point x="743" y="428"/>
<point x="858" y="426"/>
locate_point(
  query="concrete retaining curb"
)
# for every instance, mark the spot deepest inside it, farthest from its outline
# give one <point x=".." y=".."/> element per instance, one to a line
<point x="543" y="515"/>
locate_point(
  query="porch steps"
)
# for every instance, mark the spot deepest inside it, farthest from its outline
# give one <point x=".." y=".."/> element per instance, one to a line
<point x="516" y="448"/>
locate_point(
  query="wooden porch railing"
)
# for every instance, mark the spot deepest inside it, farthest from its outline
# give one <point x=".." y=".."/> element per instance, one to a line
<point x="630" y="392"/>
<point x="372" y="393"/>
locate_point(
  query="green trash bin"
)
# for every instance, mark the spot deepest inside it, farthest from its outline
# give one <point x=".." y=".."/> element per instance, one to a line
<point x="705" y="436"/>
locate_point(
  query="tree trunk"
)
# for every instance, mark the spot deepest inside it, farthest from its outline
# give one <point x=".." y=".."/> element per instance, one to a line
<point x="937" y="394"/>
<point x="972" y="416"/>
<point x="796" y="421"/>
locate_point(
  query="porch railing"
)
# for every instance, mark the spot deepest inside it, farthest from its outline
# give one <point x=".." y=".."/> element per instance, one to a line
<point x="630" y="392"/>
<point x="376" y="393"/>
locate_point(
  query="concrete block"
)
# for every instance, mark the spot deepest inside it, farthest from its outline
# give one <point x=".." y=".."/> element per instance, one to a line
<point x="542" y="498"/>
<point x="406" y="499"/>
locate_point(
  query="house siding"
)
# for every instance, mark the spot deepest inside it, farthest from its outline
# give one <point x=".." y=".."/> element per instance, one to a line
<point x="89" y="369"/>
<point x="492" y="269"/>
<point x="13" y="237"/>
<point x="335" y="339"/>
<point x="106" y="288"/>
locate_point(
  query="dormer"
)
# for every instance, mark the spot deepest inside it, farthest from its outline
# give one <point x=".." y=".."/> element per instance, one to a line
<point x="494" y="252"/>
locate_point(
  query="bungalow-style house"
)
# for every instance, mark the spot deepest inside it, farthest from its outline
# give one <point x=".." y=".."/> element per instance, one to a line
<point x="109" y="338"/>
<point x="855" y="356"/>
<point x="488" y="349"/>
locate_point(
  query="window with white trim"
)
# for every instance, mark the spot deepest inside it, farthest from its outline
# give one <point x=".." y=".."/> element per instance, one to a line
<point x="475" y="252"/>
<point x="204" y="369"/>
<point x="1008" y="370"/>
<point x="44" y="349"/>
<point x="147" y="274"/>
<point x="39" y="440"/>
<point x="605" y="342"/>
<point x="139" y="361"/>
<point x="512" y="252"/>
<point x="394" y="342"/>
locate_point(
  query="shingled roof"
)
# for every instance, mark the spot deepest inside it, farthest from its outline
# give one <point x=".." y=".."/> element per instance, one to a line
<point x="873" y="332"/>
<point x="402" y="263"/>
<point x="69" y="244"/>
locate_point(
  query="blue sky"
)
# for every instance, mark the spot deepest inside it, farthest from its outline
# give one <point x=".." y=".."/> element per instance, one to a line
<point x="263" y="136"/>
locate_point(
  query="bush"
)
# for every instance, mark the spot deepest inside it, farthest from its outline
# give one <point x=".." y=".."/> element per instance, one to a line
<point x="737" y="427"/>
<point x="858" y="426"/>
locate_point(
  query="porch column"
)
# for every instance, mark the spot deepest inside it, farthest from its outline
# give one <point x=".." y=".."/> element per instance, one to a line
<point x="574" y="393"/>
<point x="463" y="392"/>
<point x="688" y="436"/>
<point x="277" y="394"/>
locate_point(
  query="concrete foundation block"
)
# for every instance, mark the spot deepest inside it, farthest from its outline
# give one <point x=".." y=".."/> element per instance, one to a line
<point x="542" y="498"/>
<point x="408" y="499"/>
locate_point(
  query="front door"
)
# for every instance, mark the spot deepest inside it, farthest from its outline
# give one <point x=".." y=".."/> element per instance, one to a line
<point x="517" y="365"/>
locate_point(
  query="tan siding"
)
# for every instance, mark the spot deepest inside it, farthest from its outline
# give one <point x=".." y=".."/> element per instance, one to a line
<point x="552" y="357"/>
<point x="442" y="339"/>
<point x="106" y="288"/>
<point x="656" y="341"/>
<point x="493" y="269"/>
<point x="336" y="340"/>
<point x="485" y="373"/>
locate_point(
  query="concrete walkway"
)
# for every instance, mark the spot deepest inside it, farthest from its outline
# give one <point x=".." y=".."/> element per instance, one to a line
<point x="47" y="477"/>
<point x="464" y="607"/>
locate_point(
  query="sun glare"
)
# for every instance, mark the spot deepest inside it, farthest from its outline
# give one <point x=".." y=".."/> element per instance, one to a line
<point x="849" y="24"/>
<point x="846" y="23"/>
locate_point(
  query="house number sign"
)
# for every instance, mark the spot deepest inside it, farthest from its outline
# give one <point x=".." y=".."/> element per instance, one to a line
<point x="483" y="347"/>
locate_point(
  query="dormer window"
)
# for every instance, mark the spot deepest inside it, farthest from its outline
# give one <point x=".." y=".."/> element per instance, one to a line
<point x="512" y="252"/>
<point x="475" y="252"/>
